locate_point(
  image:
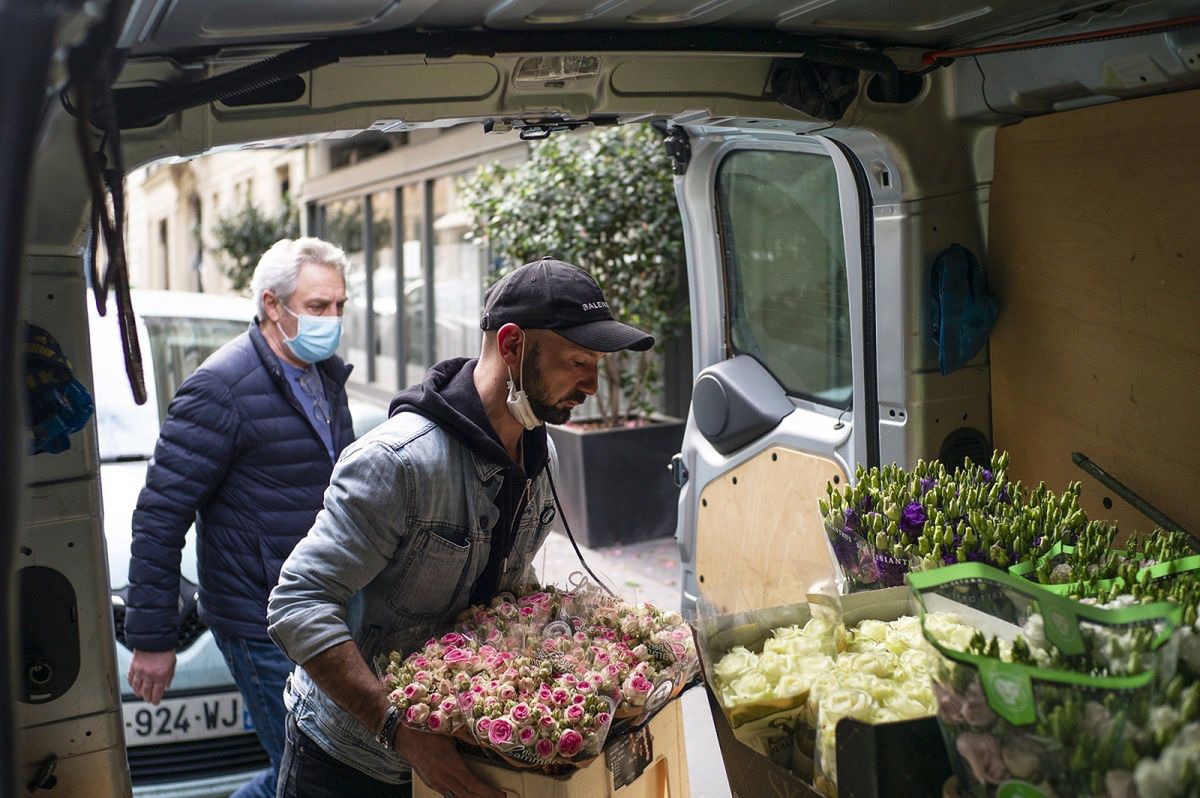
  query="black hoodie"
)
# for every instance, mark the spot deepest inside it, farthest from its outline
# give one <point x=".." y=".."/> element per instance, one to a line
<point x="448" y="396"/>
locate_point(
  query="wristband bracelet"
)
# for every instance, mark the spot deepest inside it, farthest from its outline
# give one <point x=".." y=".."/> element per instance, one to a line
<point x="388" y="729"/>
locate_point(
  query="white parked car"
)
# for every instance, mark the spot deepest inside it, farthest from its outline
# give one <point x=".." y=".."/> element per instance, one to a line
<point x="199" y="740"/>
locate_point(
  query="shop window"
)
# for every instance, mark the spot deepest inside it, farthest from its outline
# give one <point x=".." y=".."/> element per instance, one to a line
<point x="384" y="282"/>
<point x="343" y="225"/>
<point x="458" y="270"/>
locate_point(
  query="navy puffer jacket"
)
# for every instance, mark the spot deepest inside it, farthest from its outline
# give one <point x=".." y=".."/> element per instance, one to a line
<point x="238" y="456"/>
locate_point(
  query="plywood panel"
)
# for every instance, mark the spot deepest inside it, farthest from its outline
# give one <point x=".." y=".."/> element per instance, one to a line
<point x="1095" y="259"/>
<point x="759" y="537"/>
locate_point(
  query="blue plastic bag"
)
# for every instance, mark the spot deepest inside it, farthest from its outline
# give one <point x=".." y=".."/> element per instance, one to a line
<point x="963" y="311"/>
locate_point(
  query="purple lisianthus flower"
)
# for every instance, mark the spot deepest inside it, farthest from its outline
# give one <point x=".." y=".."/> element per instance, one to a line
<point x="975" y="555"/>
<point x="949" y="558"/>
<point x="927" y="485"/>
<point x="912" y="520"/>
<point x="988" y="476"/>
<point x="868" y="503"/>
<point x="1004" y="497"/>
<point x="851" y="518"/>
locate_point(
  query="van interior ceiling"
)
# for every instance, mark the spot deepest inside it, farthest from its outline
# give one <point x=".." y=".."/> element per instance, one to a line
<point x="1011" y="127"/>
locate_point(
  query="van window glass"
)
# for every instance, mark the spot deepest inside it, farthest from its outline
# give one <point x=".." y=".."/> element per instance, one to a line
<point x="179" y="345"/>
<point x="785" y="266"/>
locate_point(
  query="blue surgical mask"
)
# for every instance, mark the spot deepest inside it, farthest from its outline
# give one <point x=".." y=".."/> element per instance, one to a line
<point x="317" y="337"/>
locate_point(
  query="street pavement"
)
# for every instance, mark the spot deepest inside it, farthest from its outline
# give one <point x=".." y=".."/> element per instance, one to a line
<point x="648" y="571"/>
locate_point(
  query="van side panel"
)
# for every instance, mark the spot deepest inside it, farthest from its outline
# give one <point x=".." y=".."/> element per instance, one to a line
<point x="1094" y="242"/>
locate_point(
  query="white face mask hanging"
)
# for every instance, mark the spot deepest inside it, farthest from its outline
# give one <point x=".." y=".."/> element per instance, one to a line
<point x="517" y="401"/>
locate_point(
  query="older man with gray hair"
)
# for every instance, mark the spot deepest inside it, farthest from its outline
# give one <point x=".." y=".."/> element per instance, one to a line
<point x="245" y="453"/>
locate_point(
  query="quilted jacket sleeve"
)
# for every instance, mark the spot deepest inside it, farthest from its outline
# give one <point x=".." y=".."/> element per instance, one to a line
<point x="194" y="449"/>
<point x="352" y="541"/>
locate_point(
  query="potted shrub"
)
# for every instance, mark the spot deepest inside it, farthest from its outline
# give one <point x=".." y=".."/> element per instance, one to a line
<point x="605" y="202"/>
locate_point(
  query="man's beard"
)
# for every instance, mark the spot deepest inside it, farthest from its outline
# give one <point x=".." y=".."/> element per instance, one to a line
<point x="535" y="389"/>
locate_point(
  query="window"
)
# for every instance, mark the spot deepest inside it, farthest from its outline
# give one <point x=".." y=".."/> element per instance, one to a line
<point x="411" y="202"/>
<point x="343" y="225"/>
<point x="781" y="230"/>
<point x="383" y="280"/>
<point x="458" y="267"/>
<point x="284" y="178"/>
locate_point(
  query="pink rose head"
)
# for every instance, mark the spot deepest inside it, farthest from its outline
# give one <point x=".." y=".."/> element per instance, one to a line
<point x="570" y="743"/>
<point x="528" y="612"/>
<point x="526" y="735"/>
<point x="422" y="676"/>
<point x="448" y="705"/>
<point x="396" y="696"/>
<point x="578" y="699"/>
<point x="511" y="674"/>
<point x="521" y="712"/>
<point x="437" y="722"/>
<point x="581" y="638"/>
<point x="500" y="732"/>
<point x="414" y="691"/>
<point x="544" y="749"/>
<point x="547" y="723"/>
<point x="417" y="714"/>
<point x="559" y="696"/>
<point x="544" y="693"/>
<point x="466" y="701"/>
<point x="508" y="692"/>
<point x="456" y="656"/>
<point x="482" y="725"/>
<point x="603" y="719"/>
<point x="452" y="639"/>
<point x="494" y="636"/>
<point x="575" y="713"/>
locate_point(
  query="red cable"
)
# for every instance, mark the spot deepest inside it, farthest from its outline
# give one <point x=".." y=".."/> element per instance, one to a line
<point x="1032" y="44"/>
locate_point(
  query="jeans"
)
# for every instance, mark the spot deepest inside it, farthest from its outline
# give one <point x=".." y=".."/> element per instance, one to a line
<point x="260" y="670"/>
<point x="309" y="772"/>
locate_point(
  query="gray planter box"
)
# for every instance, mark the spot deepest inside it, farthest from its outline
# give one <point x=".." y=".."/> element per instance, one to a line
<point x="614" y="484"/>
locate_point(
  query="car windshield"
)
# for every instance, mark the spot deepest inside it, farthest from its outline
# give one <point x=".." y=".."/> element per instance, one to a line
<point x="179" y="345"/>
<point x="173" y="347"/>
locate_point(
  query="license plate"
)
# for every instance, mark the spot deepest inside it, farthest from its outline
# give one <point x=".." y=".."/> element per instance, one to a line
<point x="190" y="718"/>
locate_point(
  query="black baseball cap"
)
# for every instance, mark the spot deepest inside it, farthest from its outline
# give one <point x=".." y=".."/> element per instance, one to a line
<point x="550" y="294"/>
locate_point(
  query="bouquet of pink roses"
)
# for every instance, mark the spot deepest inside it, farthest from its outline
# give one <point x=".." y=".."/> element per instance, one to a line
<point x="541" y="678"/>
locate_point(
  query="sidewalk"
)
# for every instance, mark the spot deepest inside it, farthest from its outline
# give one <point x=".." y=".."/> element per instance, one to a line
<point x="648" y="571"/>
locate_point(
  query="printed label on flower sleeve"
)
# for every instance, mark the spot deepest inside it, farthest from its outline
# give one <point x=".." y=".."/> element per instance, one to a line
<point x="557" y="629"/>
<point x="662" y="691"/>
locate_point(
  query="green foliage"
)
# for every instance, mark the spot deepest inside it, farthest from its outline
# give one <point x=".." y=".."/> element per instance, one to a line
<point x="604" y="202"/>
<point x="242" y="236"/>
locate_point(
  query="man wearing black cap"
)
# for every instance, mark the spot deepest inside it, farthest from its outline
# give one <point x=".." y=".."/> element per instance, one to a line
<point x="442" y="506"/>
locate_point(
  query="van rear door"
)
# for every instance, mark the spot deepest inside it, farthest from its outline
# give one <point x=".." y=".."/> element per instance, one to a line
<point x="780" y="270"/>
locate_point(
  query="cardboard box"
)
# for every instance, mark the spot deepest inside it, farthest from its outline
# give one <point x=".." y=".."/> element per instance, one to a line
<point x="664" y="777"/>
<point x="889" y="760"/>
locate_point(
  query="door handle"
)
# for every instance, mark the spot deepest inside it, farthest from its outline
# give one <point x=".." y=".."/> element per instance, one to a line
<point x="679" y="472"/>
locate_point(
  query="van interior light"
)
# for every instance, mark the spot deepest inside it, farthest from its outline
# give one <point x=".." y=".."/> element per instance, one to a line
<point x="550" y="71"/>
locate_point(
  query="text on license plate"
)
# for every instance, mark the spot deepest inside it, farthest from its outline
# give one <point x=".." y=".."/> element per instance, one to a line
<point x="190" y="718"/>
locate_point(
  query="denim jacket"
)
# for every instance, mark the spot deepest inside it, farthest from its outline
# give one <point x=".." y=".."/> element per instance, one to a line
<point x="389" y="562"/>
